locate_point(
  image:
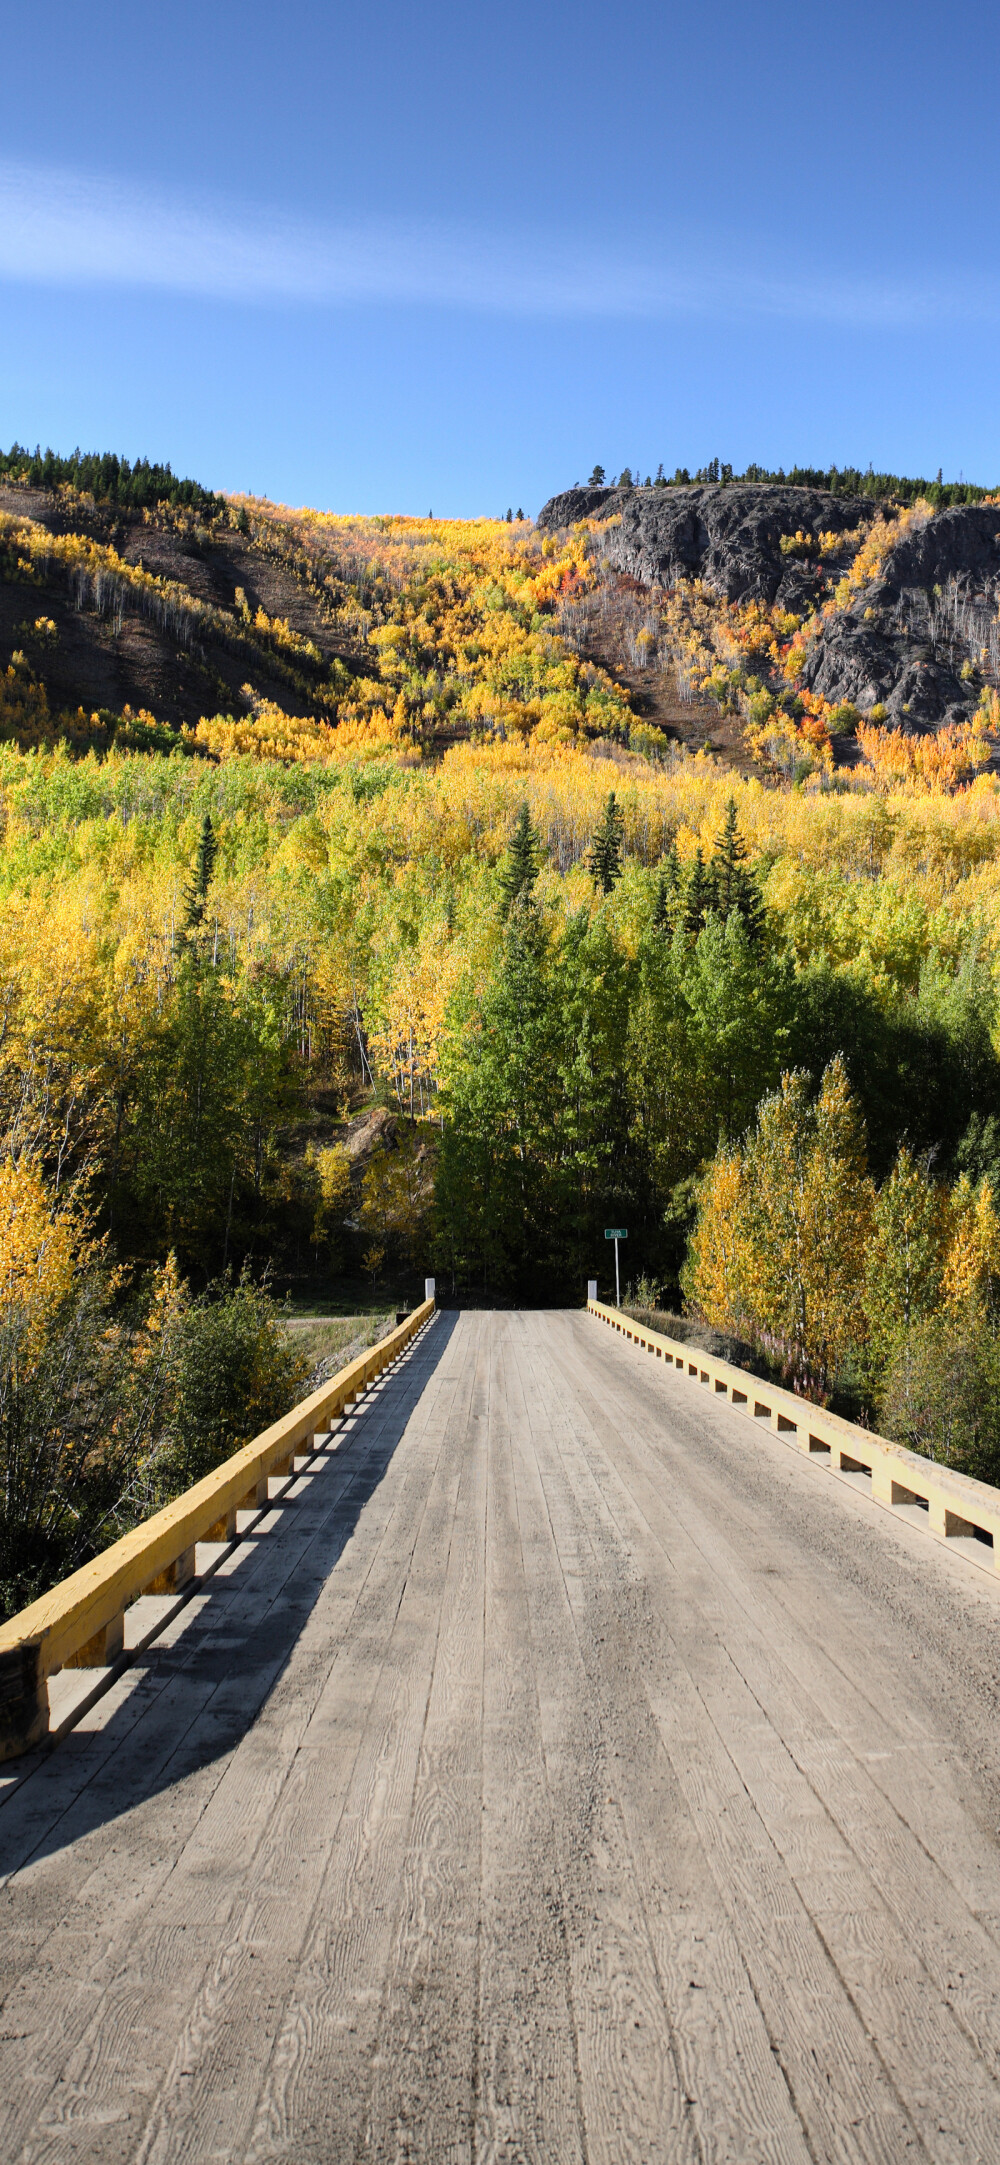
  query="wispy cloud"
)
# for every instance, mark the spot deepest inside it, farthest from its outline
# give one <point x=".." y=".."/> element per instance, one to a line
<point x="61" y="228"/>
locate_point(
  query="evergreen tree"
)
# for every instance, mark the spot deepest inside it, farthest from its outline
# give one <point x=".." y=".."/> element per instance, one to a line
<point x="668" y="888"/>
<point x="733" y="886"/>
<point x="197" y="893"/>
<point x="727" y="860"/>
<point x="538" y="1152"/>
<point x="698" y="897"/>
<point x="751" y="907"/>
<point x="605" y="859"/>
<point x="521" y="869"/>
<point x="597" y="478"/>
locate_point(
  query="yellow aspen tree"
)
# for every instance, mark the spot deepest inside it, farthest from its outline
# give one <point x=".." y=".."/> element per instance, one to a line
<point x="809" y="1212"/>
<point x="717" y="1269"/>
<point x="333" y="1175"/>
<point x="972" y="1263"/>
<point x="40" y="1248"/>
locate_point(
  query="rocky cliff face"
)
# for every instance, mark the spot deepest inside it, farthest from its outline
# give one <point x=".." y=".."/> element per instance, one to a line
<point x="903" y="641"/>
<point x="730" y="537"/>
<point x="933" y="608"/>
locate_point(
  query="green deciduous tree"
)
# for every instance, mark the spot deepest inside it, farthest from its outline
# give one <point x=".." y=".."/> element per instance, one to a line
<point x="906" y="1256"/>
<point x="234" y="1370"/>
<point x="81" y="1415"/>
<point x="941" y="1393"/>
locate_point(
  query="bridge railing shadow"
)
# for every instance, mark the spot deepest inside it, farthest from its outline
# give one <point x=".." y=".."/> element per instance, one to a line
<point x="194" y="1694"/>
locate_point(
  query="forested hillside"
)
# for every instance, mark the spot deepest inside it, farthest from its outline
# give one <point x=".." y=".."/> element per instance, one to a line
<point x="364" y="909"/>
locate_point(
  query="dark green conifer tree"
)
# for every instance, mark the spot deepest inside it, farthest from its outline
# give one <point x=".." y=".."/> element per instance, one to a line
<point x="727" y="861"/>
<point x="668" y="889"/>
<point x="605" y="859"/>
<point x="733" y="885"/>
<point x="698" y="897"/>
<point x="751" y="907"/>
<point x="197" y="892"/>
<point x="520" y="872"/>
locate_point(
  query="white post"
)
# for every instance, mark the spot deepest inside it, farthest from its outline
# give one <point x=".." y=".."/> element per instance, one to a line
<point x="618" y="1290"/>
<point x="591" y="1289"/>
<point x="429" y="1284"/>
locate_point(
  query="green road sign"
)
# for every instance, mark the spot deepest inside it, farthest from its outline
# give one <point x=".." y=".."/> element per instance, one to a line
<point x="615" y="1232"/>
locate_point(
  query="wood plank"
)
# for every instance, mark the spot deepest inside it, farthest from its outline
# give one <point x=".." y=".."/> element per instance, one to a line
<point x="838" y="1648"/>
<point x="316" y="2096"/>
<point x="342" y="1793"/>
<point x="882" y="1868"/>
<point x="429" y="2011"/>
<point x="538" y="1789"/>
<point x="841" y="2087"/>
<point x="712" y="2009"/>
<point x="528" y="2079"/>
<point x="631" y="2097"/>
<point x="106" y="2049"/>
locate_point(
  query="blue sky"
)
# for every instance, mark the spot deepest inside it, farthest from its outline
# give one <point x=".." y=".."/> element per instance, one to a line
<point x="435" y="257"/>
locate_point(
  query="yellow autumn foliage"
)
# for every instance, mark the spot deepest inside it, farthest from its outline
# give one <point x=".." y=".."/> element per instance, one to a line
<point x="972" y="1261"/>
<point x="40" y="1246"/>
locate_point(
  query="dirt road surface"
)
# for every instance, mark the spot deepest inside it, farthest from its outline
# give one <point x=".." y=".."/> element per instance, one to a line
<point x="570" y="1774"/>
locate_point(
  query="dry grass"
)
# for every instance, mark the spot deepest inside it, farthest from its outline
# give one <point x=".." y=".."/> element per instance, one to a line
<point x="330" y="1342"/>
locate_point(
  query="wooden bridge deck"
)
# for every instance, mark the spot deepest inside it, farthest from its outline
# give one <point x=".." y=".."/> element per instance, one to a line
<point x="571" y="1774"/>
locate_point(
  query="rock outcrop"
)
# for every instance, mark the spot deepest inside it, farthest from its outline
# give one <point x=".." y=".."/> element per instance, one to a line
<point x="905" y="638"/>
<point x="932" y="608"/>
<point x="730" y="537"/>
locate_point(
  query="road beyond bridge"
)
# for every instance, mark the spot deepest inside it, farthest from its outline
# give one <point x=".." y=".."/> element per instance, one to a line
<point x="571" y="1773"/>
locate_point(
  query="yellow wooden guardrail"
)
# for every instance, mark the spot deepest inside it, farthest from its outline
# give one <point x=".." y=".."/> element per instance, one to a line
<point x="80" y="1622"/>
<point x="951" y="1506"/>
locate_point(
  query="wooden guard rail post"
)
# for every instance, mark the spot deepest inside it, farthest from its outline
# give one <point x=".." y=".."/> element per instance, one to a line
<point x="951" y="1506"/>
<point x="80" y="1622"/>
